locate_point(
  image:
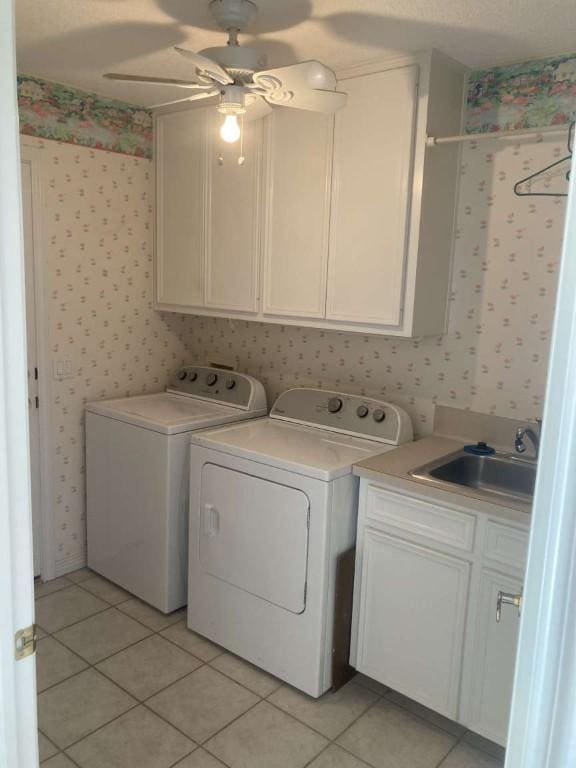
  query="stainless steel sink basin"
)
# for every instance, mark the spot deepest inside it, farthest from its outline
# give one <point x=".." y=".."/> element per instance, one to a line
<point x="502" y="474"/>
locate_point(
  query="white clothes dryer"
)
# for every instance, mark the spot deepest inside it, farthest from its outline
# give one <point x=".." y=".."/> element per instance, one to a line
<point x="273" y="506"/>
<point x="137" y="451"/>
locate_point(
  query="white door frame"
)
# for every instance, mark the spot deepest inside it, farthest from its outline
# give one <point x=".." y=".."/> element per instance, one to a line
<point x="18" y="740"/>
<point x="542" y="730"/>
<point x="34" y="157"/>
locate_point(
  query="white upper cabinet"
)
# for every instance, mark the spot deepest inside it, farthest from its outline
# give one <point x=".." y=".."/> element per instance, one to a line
<point x="372" y="181"/>
<point x="232" y="217"/>
<point x="180" y="155"/>
<point x="297" y="185"/>
<point x="341" y="222"/>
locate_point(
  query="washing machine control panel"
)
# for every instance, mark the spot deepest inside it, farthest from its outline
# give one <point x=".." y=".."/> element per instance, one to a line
<point x="346" y="413"/>
<point x="219" y="385"/>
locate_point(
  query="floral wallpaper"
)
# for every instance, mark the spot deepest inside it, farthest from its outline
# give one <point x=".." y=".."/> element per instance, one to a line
<point x="98" y="222"/>
<point x="53" y="111"/>
<point x="494" y="355"/>
<point x="532" y="94"/>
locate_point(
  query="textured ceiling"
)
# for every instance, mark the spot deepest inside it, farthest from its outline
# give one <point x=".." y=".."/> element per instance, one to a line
<point x="75" y="41"/>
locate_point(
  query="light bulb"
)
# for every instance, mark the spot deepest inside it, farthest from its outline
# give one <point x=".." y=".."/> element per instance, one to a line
<point x="230" y="130"/>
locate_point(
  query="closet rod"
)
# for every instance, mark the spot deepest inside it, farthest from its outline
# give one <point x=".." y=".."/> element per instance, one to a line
<point x="434" y="141"/>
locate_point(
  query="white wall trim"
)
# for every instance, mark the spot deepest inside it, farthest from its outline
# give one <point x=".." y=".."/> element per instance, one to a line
<point x="543" y="718"/>
<point x="18" y="740"/>
<point x="33" y="154"/>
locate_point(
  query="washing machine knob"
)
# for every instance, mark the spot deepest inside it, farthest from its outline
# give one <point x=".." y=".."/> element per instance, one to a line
<point x="230" y="383"/>
<point x="334" y="404"/>
<point x="379" y="415"/>
<point x="192" y="376"/>
<point x="182" y="375"/>
<point x="362" y="411"/>
<point x="211" y="379"/>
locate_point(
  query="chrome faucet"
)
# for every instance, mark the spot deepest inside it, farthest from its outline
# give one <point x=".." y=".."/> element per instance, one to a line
<point x="532" y="435"/>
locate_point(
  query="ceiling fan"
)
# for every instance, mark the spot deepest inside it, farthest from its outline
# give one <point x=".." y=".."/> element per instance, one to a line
<point x="235" y="76"/>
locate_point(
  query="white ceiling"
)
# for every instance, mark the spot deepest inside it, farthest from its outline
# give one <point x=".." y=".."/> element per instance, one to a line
<point x="75" y="41"/>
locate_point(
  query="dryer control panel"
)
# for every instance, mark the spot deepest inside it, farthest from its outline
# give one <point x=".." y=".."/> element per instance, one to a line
<point x="219" y="386"/>
<point x="342" y="412"/>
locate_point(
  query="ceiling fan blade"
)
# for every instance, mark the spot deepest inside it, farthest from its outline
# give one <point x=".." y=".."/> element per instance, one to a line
<point x="153" y="80"/>
<point x="206" y="67"/>
<point x="313" y="100"/>
<point x="193" y="97"/>
<point x="295" y="77"/>
<point x="256" y="109"/>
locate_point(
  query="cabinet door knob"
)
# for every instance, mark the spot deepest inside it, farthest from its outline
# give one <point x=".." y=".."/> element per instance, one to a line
<point x="508" y="598"/>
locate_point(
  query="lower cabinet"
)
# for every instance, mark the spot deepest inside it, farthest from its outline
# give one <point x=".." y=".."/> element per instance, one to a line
<point x="492" y="658"/>
<point x="412" y="619"/>
<point x="424" y="619"/>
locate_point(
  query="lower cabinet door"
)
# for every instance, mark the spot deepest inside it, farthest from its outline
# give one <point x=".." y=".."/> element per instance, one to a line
<point x="492" y="658"/>
<point x="411" y="622"/>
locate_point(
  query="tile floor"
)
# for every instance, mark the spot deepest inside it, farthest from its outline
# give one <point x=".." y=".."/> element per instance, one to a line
<point x="121" y="685"/>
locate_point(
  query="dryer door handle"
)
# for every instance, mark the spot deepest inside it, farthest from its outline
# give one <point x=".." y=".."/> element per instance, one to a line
<point x="210" y="520"/>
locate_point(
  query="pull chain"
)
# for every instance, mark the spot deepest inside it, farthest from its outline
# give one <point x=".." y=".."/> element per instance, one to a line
<point x="241" y="158"/>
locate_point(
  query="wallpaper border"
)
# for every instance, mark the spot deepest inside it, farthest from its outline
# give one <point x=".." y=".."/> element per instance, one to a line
<point x="58" y="112"/>
<point x="528" y="94"/>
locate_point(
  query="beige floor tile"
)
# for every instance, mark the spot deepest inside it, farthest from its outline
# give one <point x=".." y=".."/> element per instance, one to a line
<point x="106" y="590"/>
<point x="266" y="738"/>
<point x="60" y="761"/>
<point x="149" y="666"/>
<point x="427" y="714"/>
<point x="336" y="757"/>
<point x="54" y="663"/>
<point x="256" y="680"/>
<point x="138" y="739"/>
<point x="65" y="607"/>
<point x="43" y="588"/>
<point x="367" y="682"/>
<point x="390" y="737"/>
<point x="191" y="642"/>
<point x="80" y="575"/>
<point x="150" y="617"/>
<point x="465" y="756"/>
<point x="45" y="747"/>
<point x="202" y="703"/>
<point x="102" y="635"/>
<point x="73" y="709"/>
<point x="331" y="713"/>
<point x="200" y="759"/>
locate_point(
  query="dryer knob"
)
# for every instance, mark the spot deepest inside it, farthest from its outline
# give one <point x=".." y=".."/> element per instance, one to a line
<point x="379" y="415"/>
<point x="182" y="375"/>
<point x="362" y="411"/>
<point x="334" y="404"/>
<point x="192" y="376"/>
<point x="211" y="379"/>
<point x="230" y="383"/>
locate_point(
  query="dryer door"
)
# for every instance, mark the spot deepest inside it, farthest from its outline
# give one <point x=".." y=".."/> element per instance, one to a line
<point x="254" y="535"/>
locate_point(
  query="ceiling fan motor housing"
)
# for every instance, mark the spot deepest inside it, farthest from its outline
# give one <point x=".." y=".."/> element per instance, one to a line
<point x="233" y="14"/>
<point x="238" y="60"/>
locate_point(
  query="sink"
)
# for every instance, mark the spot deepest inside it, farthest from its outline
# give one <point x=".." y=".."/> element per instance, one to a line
<point x="501" y="474"/>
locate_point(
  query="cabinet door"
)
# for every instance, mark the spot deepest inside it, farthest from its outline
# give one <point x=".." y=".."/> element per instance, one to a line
<point x="180" y="154"/>
<point x="297" y="213"/>
<point x="232" y="217"/>
<point x="372" y="184"/>
<point x="492" y="658"/>
<point x="411" y="623"/>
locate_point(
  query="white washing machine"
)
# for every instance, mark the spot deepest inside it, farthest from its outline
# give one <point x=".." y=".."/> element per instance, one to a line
<point x="137" y="451"/>
<point x="273" y="507"/>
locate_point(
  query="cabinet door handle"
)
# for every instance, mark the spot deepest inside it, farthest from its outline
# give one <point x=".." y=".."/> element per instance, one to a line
<point x="508" y="598"/>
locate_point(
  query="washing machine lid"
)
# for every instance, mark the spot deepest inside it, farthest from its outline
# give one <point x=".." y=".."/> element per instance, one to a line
<point x="168" y="413"/>
<point x="316" y="453"/>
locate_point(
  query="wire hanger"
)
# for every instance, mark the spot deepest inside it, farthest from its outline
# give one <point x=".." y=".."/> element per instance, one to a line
<point x="551" y="181"/>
